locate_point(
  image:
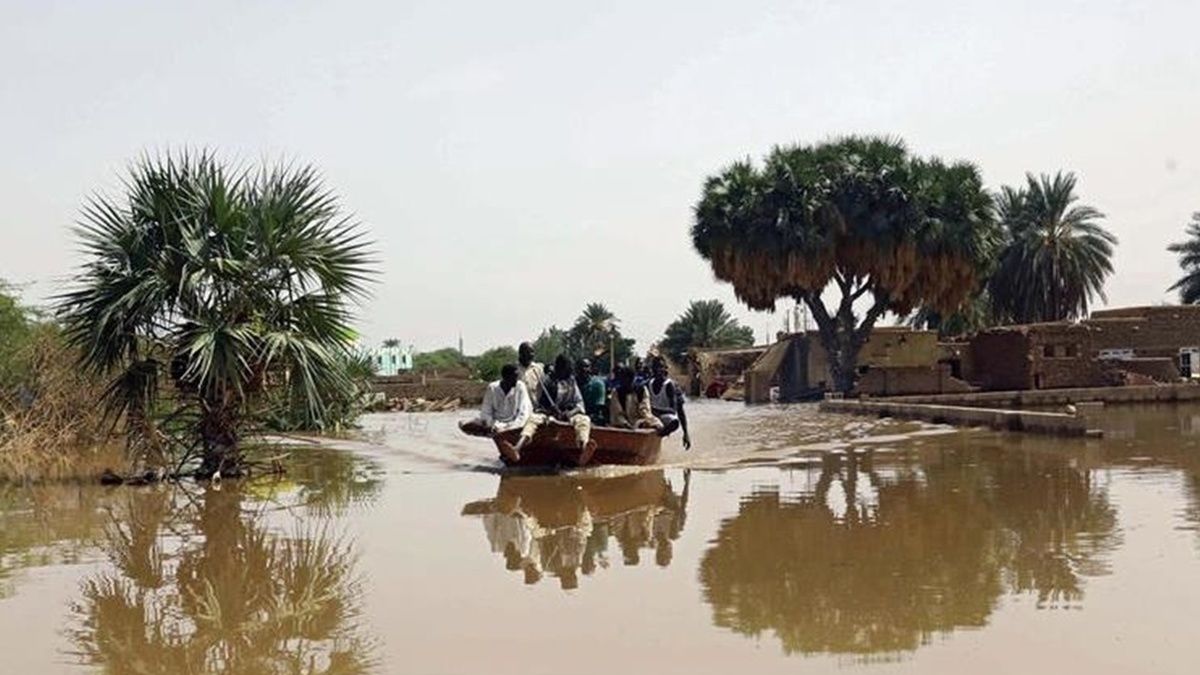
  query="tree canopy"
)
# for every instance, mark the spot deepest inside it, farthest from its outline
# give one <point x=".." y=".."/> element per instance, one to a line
<point x="594" y="334"/>
<point x="489" y="363"/>
<point x="704" y="324"/>
<point x="859" y="214"/>
<point x="1189" y="259"/>
<point x="225" y="281"/>
<point x="1056" y="255"/>
<point x="446" y="358"/>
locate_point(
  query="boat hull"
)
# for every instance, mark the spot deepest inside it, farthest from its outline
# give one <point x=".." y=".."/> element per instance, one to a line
<point x="554" y="445"/>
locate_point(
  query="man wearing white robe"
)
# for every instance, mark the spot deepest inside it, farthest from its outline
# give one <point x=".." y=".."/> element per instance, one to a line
<point x="506" y="405"/>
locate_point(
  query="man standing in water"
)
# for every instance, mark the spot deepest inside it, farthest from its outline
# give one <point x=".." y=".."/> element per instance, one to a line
<point x="531" y="372"/>
<point x="666" y="401"/>
<point x="506" y="405"/>
<point x="558" y="399"/>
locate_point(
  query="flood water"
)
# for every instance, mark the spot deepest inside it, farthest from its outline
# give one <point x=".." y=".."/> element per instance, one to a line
<point x="785" y="541"/>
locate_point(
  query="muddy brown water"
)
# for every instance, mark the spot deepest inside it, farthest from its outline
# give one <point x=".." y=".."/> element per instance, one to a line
<point x="786" y="541"/>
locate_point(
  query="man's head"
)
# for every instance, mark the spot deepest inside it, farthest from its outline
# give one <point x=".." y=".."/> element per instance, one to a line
<point x="658" y="368"/>
<point x="583" y="369"/>
<point x="562" y="367"/>
<point x="525" y="354"/>
<point x="508" y="377"/>
<point x="624" y="377"/>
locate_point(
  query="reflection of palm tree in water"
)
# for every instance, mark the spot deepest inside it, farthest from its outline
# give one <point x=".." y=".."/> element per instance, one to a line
<point x="242" y="599"/>
<point x="562" y="524"/>
<point x="923" y="550"/>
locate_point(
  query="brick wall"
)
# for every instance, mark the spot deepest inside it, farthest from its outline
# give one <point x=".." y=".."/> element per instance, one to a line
<point x="1157" y="369"/>
<point x="1148" y="331"/>
<point x="899" y="348"/>
<point x="905" y="380"/>
<point x="1000" y="360"/>
<point x="469" y="391"/>
<point x="1062" y="355"/>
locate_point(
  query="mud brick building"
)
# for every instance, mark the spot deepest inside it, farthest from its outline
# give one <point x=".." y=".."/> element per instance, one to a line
<point x="1149" y="338"/>
<point x="895" y="360"/>
<point x="1112" y="347"/>
<point x="1033" y="356"/>
<point x="712" y="371"/>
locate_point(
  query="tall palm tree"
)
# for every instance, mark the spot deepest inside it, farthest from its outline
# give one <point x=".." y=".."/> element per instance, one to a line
<point x="596" y="334"/>
<point x="224" y="281"/>
<point x="595" y="324"/>
<point x="705" y="323"/>
<point x="1189" y="259"/>
<point x="1057" y="255"/>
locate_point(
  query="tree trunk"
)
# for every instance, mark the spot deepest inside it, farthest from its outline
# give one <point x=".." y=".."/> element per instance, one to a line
<point x="842" y="335"/>
<point x="220" y="443"/>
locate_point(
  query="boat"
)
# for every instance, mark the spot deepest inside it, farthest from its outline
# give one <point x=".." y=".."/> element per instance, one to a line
<point x="554" y="445"/>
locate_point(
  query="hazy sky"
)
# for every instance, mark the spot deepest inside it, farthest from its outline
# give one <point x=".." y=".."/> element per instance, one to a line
<point x="490" y="147"/>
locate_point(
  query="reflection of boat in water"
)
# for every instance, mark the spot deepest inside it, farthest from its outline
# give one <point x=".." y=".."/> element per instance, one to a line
<point x="554" y="443"/>
<point x="562" y="524"/>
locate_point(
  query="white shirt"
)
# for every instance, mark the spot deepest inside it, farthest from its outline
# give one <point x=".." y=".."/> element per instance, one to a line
<point x="506" y="411"/>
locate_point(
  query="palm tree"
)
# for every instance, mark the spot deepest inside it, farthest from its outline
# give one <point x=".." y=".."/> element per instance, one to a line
<point x="225" y="282"/>
<point x="705" y="323"/>
<point x="1057" y="255"/>
<point x="1189" y="259"/>
<point x="391" y="342"/>
<point x="597" y="335"/>
<point x="594" y="326"/>
<point x="858" y="215"/>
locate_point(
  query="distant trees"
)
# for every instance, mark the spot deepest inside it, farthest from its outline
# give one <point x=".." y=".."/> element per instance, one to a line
<point x="17" y="329"/>
<point x="595" y="334"/>
<point x="489" y="363"/>
<point x="1189" y="259"/>
<point x="446" y="358"/>
<point x="860" y="215"/>
<point x="550" y="343"/>
<point x="1056" y="256"/>
<point x="705" y="323"/>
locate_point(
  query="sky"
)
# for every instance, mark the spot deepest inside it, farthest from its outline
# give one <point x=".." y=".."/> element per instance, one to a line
<point x="514" y="161"/>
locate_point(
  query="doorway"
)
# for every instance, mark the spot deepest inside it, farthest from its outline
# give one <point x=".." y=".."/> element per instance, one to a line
<point x="1189" y="362"/>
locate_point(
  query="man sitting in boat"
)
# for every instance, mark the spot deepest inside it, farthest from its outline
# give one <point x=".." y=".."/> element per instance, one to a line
<point x="595" y="392"/>
<point x="559" y="399"/>
<point x="506" y="405"/>
<point x="531" y="372"/>
<point x="629" y="404"/>
<point x="666" y="401"/>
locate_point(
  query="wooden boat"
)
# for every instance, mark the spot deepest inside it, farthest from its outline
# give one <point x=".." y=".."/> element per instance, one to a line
<point x="554" y="445"/>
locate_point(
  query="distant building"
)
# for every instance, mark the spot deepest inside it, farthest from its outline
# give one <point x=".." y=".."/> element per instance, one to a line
<point x="391" y="360"/>
<point x="894" y="361"/>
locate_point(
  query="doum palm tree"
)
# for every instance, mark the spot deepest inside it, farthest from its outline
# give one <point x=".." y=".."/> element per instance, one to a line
<point x="853" y="228"/>
<point x="1056" y="257"/>
<point x="224" y="282"/>
<point x="1189" y="259"/>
